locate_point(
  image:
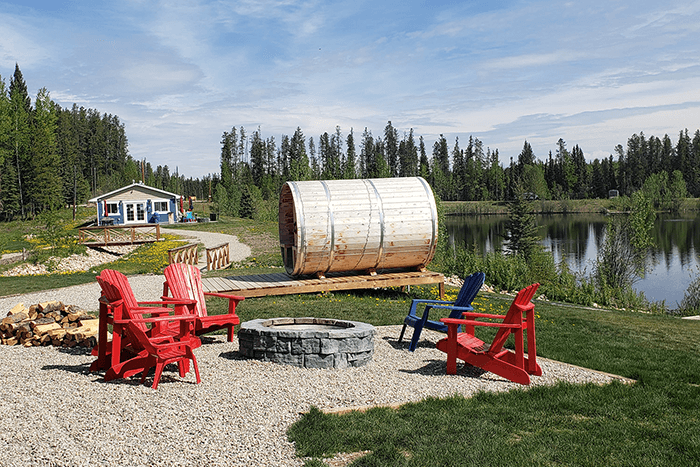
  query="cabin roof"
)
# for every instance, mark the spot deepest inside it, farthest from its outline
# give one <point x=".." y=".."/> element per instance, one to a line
<point x="136" y="186"/>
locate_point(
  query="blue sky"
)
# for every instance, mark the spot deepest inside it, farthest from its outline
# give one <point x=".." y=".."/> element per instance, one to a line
<point x="180" y="73"/>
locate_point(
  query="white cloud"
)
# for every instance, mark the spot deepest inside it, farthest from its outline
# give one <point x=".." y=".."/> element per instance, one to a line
<point x="20" y="42"/>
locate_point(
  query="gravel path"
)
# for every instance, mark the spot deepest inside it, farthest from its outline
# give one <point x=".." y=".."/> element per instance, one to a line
<point x="57" y="413"/>
<point x="237" y="251"/>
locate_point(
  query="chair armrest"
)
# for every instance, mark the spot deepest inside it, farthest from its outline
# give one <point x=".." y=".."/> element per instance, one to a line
<point x="142" y="310"/>
<point x="178" y="301"/>
<point x="466" y="309"/>
<point x="223" y="295"/>
<point x="471" y="322"/>
<point x="163" y="346"/>
<point x="443" y="307"/>
<point x="157" y="319"/>
<point x="156" y="302"/>
<point x="468" y="314"/>
<point x="415" y="301"/>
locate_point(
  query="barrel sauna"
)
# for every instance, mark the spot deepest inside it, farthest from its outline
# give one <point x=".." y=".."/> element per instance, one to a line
<point x="357" y="225"/>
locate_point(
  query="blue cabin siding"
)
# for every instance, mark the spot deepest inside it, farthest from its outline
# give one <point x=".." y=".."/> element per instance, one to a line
<point x="152" y="217"/>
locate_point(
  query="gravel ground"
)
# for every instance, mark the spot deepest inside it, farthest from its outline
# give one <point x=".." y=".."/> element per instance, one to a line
<point x="57" y="413"/>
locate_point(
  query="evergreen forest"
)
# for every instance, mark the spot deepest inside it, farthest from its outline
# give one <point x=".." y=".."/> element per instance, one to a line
<point x="52" y="157"/>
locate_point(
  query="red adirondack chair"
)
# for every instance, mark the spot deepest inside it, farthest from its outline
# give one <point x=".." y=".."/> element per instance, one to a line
<point x="127" y="355"/>
<point x="159" y="352"/>
<point x="184" y="281"/>
<point x="515" y="366"/>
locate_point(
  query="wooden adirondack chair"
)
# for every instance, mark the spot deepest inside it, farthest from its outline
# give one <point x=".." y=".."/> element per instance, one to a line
<point x="159" y="352"/>
<point x="184" y="281"/>
<point x="127" y="356"/>
<point x="515" y="366"/>
<point x="466" y="295"/>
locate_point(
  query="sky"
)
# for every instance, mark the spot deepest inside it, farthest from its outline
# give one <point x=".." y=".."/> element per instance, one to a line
<point x="179" y="74"/>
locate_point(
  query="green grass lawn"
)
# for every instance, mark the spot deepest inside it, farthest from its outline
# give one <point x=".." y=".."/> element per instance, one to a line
<point x="655" y="421"/>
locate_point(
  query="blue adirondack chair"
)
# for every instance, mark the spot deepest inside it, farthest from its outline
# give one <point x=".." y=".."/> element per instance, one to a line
<point x="471" y="287"/>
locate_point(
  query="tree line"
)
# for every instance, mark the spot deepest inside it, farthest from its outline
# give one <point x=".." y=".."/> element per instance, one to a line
<point x="469" y="173"/>
<point x="51" y="157"/>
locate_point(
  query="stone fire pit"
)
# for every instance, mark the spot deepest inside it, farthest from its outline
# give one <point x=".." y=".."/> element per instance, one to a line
<point x="308" y="342"/>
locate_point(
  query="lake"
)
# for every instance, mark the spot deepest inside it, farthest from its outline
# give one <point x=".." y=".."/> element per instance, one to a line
<point x="672" y="264"/>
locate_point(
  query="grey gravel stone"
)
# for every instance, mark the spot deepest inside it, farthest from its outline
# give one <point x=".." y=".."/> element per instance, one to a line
<point x="54" y="412"/>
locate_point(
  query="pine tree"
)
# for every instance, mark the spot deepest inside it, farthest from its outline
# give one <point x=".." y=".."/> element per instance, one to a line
<point x="257" y="158"/>
<point x="9" y="194"/>
<point x="581" y="185"/>
<point x="46" y="189"/>
<point x="337" y="157"/>
<point x="522" y="234"/>
<point x="350" y="169"/>
<point x="367" y="161"/>
<point x="684" y="153"/>
<point x="391" y="149"/>
<point x="20" y="133"/>
<point x="408" y="156"/>
<point x="326" y="156"/>
<point x="298" y="160"/>
<point x="382" y="169"/>
<point x="458" y="170"/>
<point x="247" y="203"/>
<point x="423" y="163"/>
<point x="6" y="179"/>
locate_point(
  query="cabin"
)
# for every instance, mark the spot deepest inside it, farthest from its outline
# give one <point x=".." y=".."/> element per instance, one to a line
<point x="137" y="204"/>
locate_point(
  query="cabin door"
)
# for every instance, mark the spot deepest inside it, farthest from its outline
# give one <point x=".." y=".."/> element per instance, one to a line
<point x="135" y="212"/>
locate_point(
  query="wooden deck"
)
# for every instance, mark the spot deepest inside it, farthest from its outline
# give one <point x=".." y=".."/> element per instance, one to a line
<point x="260" y="285"/>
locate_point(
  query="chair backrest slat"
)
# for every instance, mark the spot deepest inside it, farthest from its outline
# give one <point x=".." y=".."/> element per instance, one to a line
<point x="514" y="316"/>
<point x="185" y="281"/>
<point x="472" y="285"/>
<point x="115" y="286"/>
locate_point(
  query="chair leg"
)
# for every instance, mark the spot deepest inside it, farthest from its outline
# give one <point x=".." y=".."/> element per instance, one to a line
<point x="144" y="374"/>
<point x="416" y="335"/>
<point x="230" y="333"/>
<point x="183" y="366"/>
<point x="194" y="364"/>
<point x="451" y="366"/>
<point x="159" y="372"/>
<point x="403" y="329"/>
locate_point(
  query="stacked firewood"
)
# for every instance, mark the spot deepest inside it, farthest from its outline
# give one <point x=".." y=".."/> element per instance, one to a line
<point x="49" y="323"/>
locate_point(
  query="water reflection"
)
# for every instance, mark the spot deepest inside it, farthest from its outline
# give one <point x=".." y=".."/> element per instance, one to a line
<point x="576" y="239"/>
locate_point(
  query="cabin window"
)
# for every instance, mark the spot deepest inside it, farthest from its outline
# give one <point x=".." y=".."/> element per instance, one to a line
<point x="160" y="206"/>
<point x="112" y="208"/>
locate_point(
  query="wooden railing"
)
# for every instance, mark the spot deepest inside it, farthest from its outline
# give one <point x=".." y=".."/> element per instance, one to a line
<point x="184" y="254"/>
<point x="119" y="235"/>
<point x="218" y="257"/>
